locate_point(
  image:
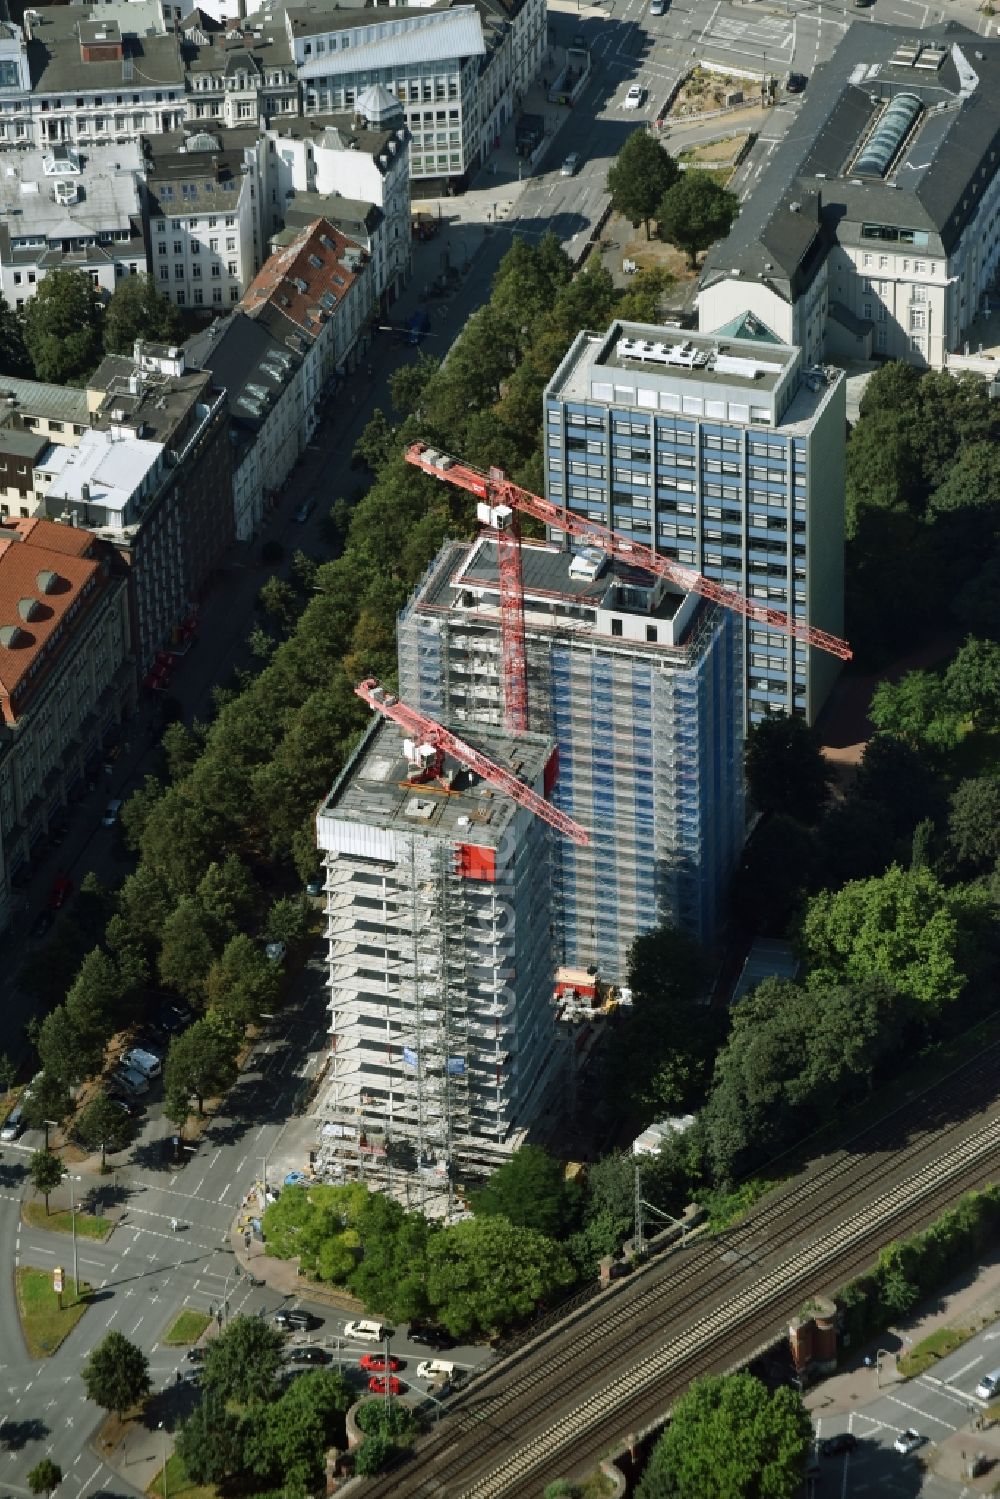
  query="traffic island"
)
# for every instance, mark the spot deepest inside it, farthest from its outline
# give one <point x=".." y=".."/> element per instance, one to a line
<point x="187" y="1327"/>
<point x="178" y="1485"/>
<point x="88" y="1225"/>
<point x="47" y="1316"/>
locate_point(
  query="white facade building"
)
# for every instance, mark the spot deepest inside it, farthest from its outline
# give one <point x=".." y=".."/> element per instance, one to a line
<point x="201" y="203"/>
<point x="64" y="209"/>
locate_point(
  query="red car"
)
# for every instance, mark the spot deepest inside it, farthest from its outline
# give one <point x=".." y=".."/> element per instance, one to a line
<point x="375" y="1363"/>
<point x="62" y="887"/>
<point x="377" y="1386"/>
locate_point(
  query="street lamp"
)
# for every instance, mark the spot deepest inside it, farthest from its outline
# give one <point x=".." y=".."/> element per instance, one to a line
<point x="164" y="1436"/>
<point x="49" y="1124"/>
<point x="263" y="1175"/>
<point x="72" y="1219"/>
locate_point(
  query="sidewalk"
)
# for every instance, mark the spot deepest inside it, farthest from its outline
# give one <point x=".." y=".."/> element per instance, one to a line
<point x="971" y="1302"/>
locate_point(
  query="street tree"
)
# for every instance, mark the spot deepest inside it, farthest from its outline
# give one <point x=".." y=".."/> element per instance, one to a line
<point x="211" y="1443"/>
<point x="378" y="441"/>
<point x="187" y="950"/>
<point x="137" y="310"/>
<point x="372" y="1455"/>
<point x="226" y="893"/>
<point x="854" y="841"/>
<point x="695" y="212"/>
<point x="242" y="1363"/>
<point x="639" y="177"/>
<point x="49" y="1099"/>
<point x="392" y="1271"/>
<point x="44" y="1476"/>
<point x="731" y="1437"/>
<point x="899" y="778"/>
<point x="288" y="920"/>
<point x="63" y="1050"/>
<point x="785" y="768"/>
<point x="290" y="1437"/>
<point x="46" y="1172"/>
<point x="8" y="1072"/>
<point x="180" y="839"/>
<point x="14" y="359"/>
<point x="242" y="984"/>
<point x="144" y="904"/>
<point x="116" y="1374"/>
<point x="94" y="1000"/>
<point x="279" y="600"/>
<point x="974" y="822"/>
<point x="180" y="747"/>
<point x="102" y="1125"/>
<point x="201" y="1062"/>
<point x="530" y="1190"/>
<point x="903" y="926"/>
<point x="62" y="327"/>
<point x="774" y="873"/>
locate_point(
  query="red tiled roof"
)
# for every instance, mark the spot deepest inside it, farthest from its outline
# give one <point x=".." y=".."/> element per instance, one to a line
<point x="47" y="556"/>
<point x="306" y="280"/>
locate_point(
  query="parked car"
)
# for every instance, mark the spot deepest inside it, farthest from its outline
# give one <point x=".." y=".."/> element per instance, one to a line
<point x="62" y="889"/>
<point x="311" y="1356"/>
<point x="305" y="510"/>
<point x="377" y="1363"/>
<point x="571" y="165"/>
<point x="195" y="1355"/>
<point x="434" y="1368"/>
<point x="908" y="1441"/>
<point x="795" y="83"/>
<point x="365" y="1332"/>
<point x="296" y="1318"/>
<point x="13" y="1125"/>
<point x="111" y="812"/>
<point x="315" y="885"/>
<point x="377" y="1385"/>
<point x="143" y="1061"/>
<point x="275" y="951"/>
<point x="42" y="923"/>
<point x="430" y="1336"/>
<point x="134" y="1083"/>
<point x="844" y="1441"/>
<point x="636" y="97"/>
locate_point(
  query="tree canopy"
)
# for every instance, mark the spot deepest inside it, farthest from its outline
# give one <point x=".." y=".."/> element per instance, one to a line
<point x="785" y="769"/>
<point x="116" y="1374"/>
<point x="531" y="1191"/>
<point x="137" y="310"/>
<point x="695" y="212"/>
<point x="62" y="327"/>
<point x="242" y="1363"/>
<point x="729" y="1436"/>
<point x="639" y="176"/>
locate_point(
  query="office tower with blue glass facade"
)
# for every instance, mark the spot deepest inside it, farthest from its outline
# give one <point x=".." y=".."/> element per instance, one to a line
<point x="640" y="685"/>
<point x="723" y="452"/>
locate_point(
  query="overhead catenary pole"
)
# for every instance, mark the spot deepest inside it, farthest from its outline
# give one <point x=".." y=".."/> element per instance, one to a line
<point x="497" y="490"/>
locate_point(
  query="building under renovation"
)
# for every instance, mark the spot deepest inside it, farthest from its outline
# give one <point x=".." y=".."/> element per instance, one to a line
<point x="640" y="685"/>
<point x="441" y="960"/>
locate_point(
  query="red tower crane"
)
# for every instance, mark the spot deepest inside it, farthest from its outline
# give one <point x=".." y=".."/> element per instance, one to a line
<point x="428" y="731"/>
<point x="501" y="494"/>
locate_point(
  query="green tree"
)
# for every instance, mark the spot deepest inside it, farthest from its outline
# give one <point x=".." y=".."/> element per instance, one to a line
<point x="484" y="1274"/>
<point x="44" y="1476"/>
<point x="639" y="177"/>
<point x="288" y="920"/>
<point x="187" y="951"/>
<point x="242" y="984"/>
<point x="211" y="1443"/>
<point x="62" y="1050"/>
<point x="144" y="904"/>
<point x="181" y="836"/>
<point x="94" y="1000"/>
<point x="378" y="442"/>
<point x="8" y="1072"/>
<point x="102" y="1125"/>
<point x="137" y="310"/>
<point x="226" y="894"/>
<point x="242" y="1363"/>
<point x="774" y="874"/>
<point x="898" y="778"/>
<point x="854" y="840"/>
<point x="46" y="1172"/>
<point x="785" y="768"/>
<point x="695" y="212"/>
<point x="974" y="821"/>
<point x="530" y="1190"/>
<point x="201" y="1062"/>
<point x="903" y="926"/>
<point x="972" y="682"/>
<point x="116" y="1374"/>
<point x="181" y="747"/>
<point x="409" y="382"/>
<point x="372" y="1455"/>
<point x="14" y="358"/>
<point x="290" y="1437"/>
<point x="391" y="1276"/>
<point x="278" y="599"/>
<point x="917" y="708"/>
<point x="729" y="1436"/>
<point x="49" y="1099"/>
<point x="62" y="327"/>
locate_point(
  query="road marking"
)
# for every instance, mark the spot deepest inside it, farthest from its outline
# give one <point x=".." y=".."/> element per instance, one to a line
<point x="88" y="1482"/>
<point x="918" y="1410"/>
<point x="965" y="1368"/>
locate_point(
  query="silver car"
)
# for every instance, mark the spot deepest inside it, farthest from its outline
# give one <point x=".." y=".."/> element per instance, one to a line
<point x="571" y="165"/>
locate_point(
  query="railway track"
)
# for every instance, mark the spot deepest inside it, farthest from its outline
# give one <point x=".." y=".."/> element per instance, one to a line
<point x="614" y="1367"/>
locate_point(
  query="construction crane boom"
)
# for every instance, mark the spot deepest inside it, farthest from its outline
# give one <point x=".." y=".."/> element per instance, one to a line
<point x="498" y="491"/>
<point x="429" y="731"/>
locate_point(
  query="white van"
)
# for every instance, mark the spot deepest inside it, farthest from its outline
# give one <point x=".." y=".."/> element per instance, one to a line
<point x="142" y="1061"/>
<point x="365" y="1332"/>
<point x="989" y="1385"/>
<point x="435" y="1368"/>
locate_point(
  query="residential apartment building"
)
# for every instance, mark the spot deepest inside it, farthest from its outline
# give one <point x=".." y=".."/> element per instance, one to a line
<point x="340" y="166"/>
<point x="65" y="209"/>
<point x="153" y="477"/>
<point x="20" y="453"/>
<point x="442" y="1032"/>
<point x="238" y="75"/>
<point x="641" y="687"/>
<point x="66" y="677"/>
<point x="724" y="453"/>
<point x="201" y="203"/>
<point x="97" y="80"/>
<point x="874" y="230"/>
<point x="59" y="412"/>
<point x="315" y="296"/>
<point x="262" y="378"/>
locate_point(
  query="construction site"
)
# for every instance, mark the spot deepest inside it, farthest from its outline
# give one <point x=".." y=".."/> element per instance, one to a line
<point x="591" y="694"/>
